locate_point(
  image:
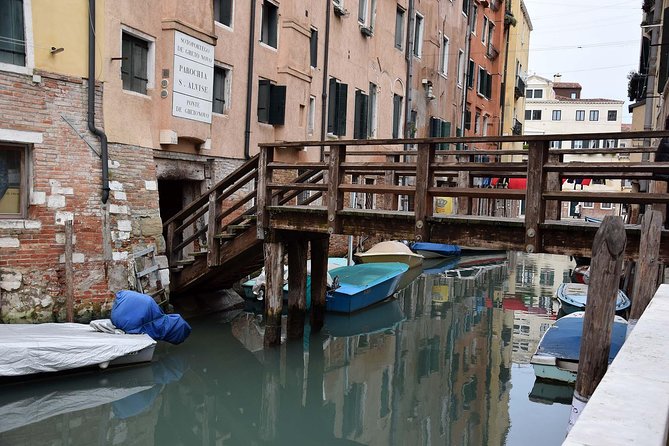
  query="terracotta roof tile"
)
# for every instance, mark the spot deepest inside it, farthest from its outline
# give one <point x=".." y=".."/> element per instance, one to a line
<point x="567" y="85"/>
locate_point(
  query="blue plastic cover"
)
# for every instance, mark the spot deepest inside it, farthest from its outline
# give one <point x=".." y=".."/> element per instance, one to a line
<point x="135" y="313"/>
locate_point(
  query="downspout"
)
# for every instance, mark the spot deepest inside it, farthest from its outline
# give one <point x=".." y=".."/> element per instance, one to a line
<point x="249" y="82"/>
<point x="326" y="58"/>
<point x="504" y="80"/>
<point x="409" y="58"/>
<point x="91" y="103"/>
<point x="465" y="87"/>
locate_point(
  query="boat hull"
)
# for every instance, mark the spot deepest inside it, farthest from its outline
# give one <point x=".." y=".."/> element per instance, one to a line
<point x="573" y="297"/>
<point x="363" y="285"/>
<point x="435" y="250"/>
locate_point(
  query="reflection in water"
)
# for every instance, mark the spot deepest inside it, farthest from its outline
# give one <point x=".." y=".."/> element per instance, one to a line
<point x="433" y="366"/>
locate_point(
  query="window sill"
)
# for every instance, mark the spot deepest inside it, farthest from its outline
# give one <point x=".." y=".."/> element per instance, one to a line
<point x="268" y="46"/>
<point x="18" y="69"/>
<point x="224" y="26"/>
<point x="136" y="94"/>
<point x="18" y="222"/>
<point x="444" y="75"/>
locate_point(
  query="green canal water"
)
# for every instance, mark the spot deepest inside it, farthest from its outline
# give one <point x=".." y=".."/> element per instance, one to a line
<point x="444" y="363"/>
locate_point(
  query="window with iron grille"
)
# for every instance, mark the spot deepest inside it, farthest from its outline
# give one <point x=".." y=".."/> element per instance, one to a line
<point x="12" y="33"/>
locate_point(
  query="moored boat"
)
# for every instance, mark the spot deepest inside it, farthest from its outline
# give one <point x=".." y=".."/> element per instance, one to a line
<point x="362" y="285"/>
<point x="390" y="251"/>
<point x="574" y="296"/>
<point x="377" y="318"/>
<point x="557" y="355"/>
<point x="434" y="250"/>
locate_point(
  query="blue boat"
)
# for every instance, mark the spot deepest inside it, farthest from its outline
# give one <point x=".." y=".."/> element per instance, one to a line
<point x="556" y="357"/>
<point x="375" y="319"/>
<point x="574" y="296"/>
<point x="434" y="250"/>
<point x="363" y="285"/>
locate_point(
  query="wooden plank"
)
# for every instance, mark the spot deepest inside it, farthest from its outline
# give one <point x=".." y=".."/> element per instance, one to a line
<point x="142" y="252"/>
<point x="607" y="258"/>
<point x="273" y="292"/>
<point x="147" y="271"/>
<point x="477" y="192"/>
<point x="534" y="203"/>
<point x="263" y="193"/>
<point x="491" y="168"/>
<point x="648" y="264"/>
<point x="378" y="167"/>
<point x="297" y="186"/>
<point x="319" y="271"/>
<point x="170" y="242"/>
<point x="424" y="180"/>
<point x="69" y="272"/>
<point x="295" y="166"/>
<point x="377" y="189"/>
<point x="604" y="151"/>
<point x="297" y="288"/>
<point x="608" y="197"/>
<point x="213" y="228"/>
<point x="615" y="167"/>
<point x="553" y="184"/>
<point x="335" y="196"/>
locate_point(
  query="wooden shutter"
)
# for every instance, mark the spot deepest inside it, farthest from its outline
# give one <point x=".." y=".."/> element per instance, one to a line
<point x="332" y="105"/>
<point x="342" y="97"/>
<point x="263" y="100"/>
<point x="218" y="105"/>
<point x="313" y="48"/>
<point x="277" y="104"/>
<point x="397" y="110"/>
<point x="468" y="119"/>
<point x="488" y="91"/>
<point x="399" y="28"/>
<point x="445" y="132"/>
<point x="435" y="127"/>
<point x="126" y="62"/>
<point x="360" y="113"/>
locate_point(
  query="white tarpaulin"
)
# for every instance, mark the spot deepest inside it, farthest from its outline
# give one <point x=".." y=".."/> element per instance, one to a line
<point x="34" y="348"/>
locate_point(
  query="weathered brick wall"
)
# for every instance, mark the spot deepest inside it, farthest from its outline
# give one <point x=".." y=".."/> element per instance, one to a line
<point x="66" y="185"/>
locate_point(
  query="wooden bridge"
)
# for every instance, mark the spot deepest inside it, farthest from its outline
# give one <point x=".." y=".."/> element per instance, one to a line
<point x="298" y="193"/>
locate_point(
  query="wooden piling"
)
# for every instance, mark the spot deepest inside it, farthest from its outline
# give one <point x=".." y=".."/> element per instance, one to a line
<point x="535" y="206"/>
<point x="297" y="288"/>
<point x="319" y="271"/>
<point x="69" y="272"/>
<point x="645" y="279"/>
<point x="424" y="180"/>
<point x="273" y="292"/>
<point x="213" y="228"/>
<point x="608" y="249"/>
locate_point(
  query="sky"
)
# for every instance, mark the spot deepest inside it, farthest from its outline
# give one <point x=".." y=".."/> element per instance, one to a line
<point x="591" y="42"/>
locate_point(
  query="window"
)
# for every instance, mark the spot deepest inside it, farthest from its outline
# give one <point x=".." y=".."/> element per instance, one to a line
<point x="371" y="119"/>
<point x="480" y="79"/>
<point x="311" y="115"/>
<point x="361" y="115"/>
<point x="470" y="74"/>
<point x="588" y="205"/>
<point x="223" y="12"/>
<point x="484" y="83"/>
<point x="477" y="122"/>
<point x="461" y="66"/>
<point x="13" y="181"/>
<point x="12" y="34"/>
<point x="135" y="53"/>
<point x="557" y="115"/>
<point x="594" y="143"/>
<point x="418" y="36"/>
<point x="572" y="95"/>
<point x="440" y="129"/>
<point x="556" y="145"/>
<point x="580" y="115"/>
<point x="475" y="11"/>
<point x="577" y="144"/>
<point x="612" y="115"/>
<point x="313" y="48"/>
<point x="485" y="125"/>
<point x="271" y="102"/>
<point x="443" y="69"/>
<point x="533" y="115"/>
<point x="221" y="99"/>
<point x="337" y="107"/>
<point x="465" y="6"/>
<point x="606" y="205"/>
<point x="399" y="28"/>
<point x="537" y="93"/>
<point x="367" y="15"/>
<point x="491" y="32"/>
<point x="270" y="24"/>
<point x="397" y="115"/>
<point x="610" y="143"/>
<point x="468" y="120"/>
<point x="594" y="115"/>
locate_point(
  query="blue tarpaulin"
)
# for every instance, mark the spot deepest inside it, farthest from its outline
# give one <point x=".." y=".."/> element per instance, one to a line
<point x="135" y="313"/>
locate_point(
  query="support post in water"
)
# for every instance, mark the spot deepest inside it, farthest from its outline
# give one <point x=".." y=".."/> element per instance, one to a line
<point x="645" y="279"/>
<point x="319" y="274"/>
<point x="69" y="272"/>
<point x="273" y="292"/>
<point x="608" y="249"/>
<point x="297" y="288"/>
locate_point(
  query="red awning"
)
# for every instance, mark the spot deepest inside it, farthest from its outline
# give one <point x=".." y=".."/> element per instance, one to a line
<point x="512" y="183"/>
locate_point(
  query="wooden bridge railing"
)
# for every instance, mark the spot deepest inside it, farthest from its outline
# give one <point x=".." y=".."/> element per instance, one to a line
<point x="424" y="169"/>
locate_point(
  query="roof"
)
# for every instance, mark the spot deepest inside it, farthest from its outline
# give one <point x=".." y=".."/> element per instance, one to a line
<point x="589" y="100"/>
<point x="567" y="85"/>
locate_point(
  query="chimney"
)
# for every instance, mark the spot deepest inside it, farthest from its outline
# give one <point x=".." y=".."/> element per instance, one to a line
<point x="557" y="77"/>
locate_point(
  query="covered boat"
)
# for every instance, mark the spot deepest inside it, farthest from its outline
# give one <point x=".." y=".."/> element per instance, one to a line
<point x="574" y="296"/>
<point x="556" y="357"/>
<point x="390" y="251"/>
<point x="362" y="285"/>
<point x="433" y="250"/>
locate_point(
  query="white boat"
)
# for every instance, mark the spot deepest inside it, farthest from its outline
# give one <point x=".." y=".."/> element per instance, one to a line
<point x="390" y="251"/>
<point x="35" y="348"/>
<point x="574" y="297"/>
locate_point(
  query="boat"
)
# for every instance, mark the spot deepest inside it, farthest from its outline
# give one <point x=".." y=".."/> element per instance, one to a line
<point x="551" y="392"/>
<point x="26" y="349"/>
<point x="592" y="219"/>
<point x="574" y="296"/>
<point x="440" y="265"/>
<point x="581" y="274"/>
<point x="390" y="251"/>
<point x="556" y="357"/>
<point x="362" y="285"/>
<point x="433" y="250"/>
<point x="375" y="319"/>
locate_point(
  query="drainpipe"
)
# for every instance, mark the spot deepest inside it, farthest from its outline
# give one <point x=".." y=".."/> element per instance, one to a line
<point x="409" y="58"/>
<point x="326" y="58"/>
<point x="468" y="45"/>
<point x="505" y="80"/>
<point x="91" y="103"/>
<point x="249" y="82"/>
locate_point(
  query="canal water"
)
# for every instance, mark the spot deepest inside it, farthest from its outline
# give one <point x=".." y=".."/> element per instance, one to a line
<point x="444" y="363"/>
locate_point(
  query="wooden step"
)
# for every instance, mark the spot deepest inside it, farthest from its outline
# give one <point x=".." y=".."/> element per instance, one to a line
<point x="199" y="253"/>
<point x="225" y="236"/>
<point x="251" y="217"/>
<point x="185" y="262"/>
<point x="240" y="227"/>
<point x="176" y="269"/>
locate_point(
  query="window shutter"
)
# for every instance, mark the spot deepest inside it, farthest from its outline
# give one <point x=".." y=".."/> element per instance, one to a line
<point x="126" y="62"/>
<point x="468" y="119"/>
<point x="488" y="91"/>
<point x="360" y="122"/>
<point x="332" y="105"/>
<point x="263" y="100"/>
<point x="277" y="104"/>
<point x="225" y="14"/>
<point x="342" y="97"/>
<point x="140" y="55"/>
<point x="435" y="127"/>
<point x="664" y="53"/>
<point x="397" y="104"/>
<point x="445" y="133"/>
<point x="218" y="103"/>
<point x="313" y="48"/>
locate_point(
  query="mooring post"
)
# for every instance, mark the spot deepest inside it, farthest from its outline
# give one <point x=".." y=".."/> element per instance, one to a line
<point x="213" y="228"/>
<point x="608" y="249"/>
<point x="645" y="279"/>
<point x="424" y="205"/>
<point x="273" y="292"/>
<point x="319" y="272"/>
<point x="297" y="288"/>
<point x="263" y="194"/>
<point x="464" y="181"/>
<point x="335" y="197"/>
<point x="553" y="184"/>
<point x="535" y="206"/>
<point x="69" y="272"/>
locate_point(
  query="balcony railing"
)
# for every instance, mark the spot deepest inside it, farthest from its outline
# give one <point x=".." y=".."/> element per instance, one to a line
<point x="520" y="87"/>
<point x="517" y="127"/>
<point x="492" y="52"/>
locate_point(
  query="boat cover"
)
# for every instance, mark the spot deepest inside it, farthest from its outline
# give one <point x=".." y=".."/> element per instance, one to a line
<point x="563" y="339"/>
<point x="34" y="348"/>
<point x="134" y="313"/>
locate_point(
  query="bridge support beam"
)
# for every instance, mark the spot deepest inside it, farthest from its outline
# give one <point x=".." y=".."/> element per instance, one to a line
<point x="319" y="272"/>
<point x="297" y="288"/>
<point x="273" y="292"/>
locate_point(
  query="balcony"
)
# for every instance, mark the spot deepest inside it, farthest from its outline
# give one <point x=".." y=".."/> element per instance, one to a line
<point x="520" y="87"/>
<point x="492" y="53"/>
<point x="517" y="127"/>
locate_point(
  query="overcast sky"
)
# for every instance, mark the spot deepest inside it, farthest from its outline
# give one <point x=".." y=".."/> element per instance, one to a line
<point x="591" y="42"/>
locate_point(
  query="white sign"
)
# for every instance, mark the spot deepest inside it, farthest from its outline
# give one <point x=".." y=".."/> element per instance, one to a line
<point x="193" y="85"/>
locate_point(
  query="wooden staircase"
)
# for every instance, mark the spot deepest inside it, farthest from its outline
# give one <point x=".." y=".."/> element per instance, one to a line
<point x="212" y="242"/>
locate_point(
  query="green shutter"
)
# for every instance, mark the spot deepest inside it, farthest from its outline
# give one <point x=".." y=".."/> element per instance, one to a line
<point x="445" y="133"/>
<point x="277" y="104"/>
<point x="332" y="105"/>
<point x="263" y="100"/>
<point x="342" y="98"/>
